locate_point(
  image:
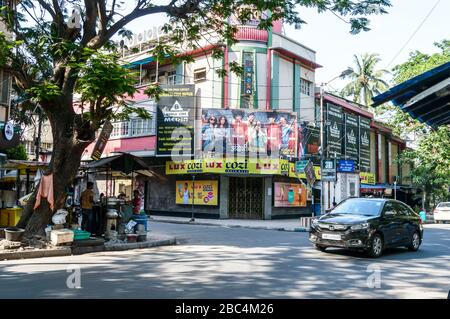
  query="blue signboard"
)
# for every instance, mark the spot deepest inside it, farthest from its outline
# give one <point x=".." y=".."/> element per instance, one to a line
<point x="346" y="166"/>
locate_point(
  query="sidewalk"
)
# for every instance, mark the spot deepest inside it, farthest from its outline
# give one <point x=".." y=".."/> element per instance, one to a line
<point x="292" y="225"/>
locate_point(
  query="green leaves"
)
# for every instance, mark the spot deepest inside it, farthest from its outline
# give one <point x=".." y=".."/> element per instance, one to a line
<point x="44" y="92"/>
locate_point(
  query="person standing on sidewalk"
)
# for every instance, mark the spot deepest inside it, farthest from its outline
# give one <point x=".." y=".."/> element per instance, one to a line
<point x="87" y="200"/>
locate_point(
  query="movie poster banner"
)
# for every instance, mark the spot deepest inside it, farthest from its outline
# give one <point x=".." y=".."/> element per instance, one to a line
<point x="335" y="124"/>
<point x="289" y="195"/>
<point x="175" y="121"/>
<point x="308" y="140"/>
<point x="351" y="137"/>
<point x="364" y="143"/>
<point x="247" y="133"/>
<point x="204" y="192"/>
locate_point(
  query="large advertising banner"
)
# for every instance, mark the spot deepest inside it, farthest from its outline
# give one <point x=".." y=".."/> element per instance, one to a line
<point x="175" y="121"/>
<point x="290" y="195"/>
<point x="245" y="132"/>
<point x="351" y="137"/>
<point x="364" y="143"/>
<point x="308" y="140"/>
<point x="335" y="124"/>
<point x="203" y="192"/>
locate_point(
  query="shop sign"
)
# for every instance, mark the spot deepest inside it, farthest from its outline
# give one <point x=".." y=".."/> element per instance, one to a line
<point x="248" y="73"/>
<point x="175" y="121"/>
<point x="300" y="165"/>
<point x="290" y="195"/>
<point x="8" y="131"/>
<point x="284" y="167"/>
<point x="293" y="172"/>
<point x="185" y="167"/>
<point x="364" y="143"/>
<point x="346" y="166"/>
<point x="203" y="192"/>
<point x="367" y="178"/>
<point x="351" y="137"/>
<point x="310" y="174"/>
<point x="329" y="170"/>
<point x="335" y="119"/>
<point x="101" y="141"/>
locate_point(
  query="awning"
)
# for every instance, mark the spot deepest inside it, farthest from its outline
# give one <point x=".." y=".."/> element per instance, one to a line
<point x="425" y="97"/>
<point x="123" y="163"/>
<point x="32" y="166"/>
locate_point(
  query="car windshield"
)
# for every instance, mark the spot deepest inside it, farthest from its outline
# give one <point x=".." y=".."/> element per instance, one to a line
<point x="442" y="205"/>
<point x="359" y="207"/>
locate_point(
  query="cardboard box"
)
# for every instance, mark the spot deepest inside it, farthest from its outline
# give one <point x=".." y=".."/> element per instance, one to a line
<point x="59" y="237"/>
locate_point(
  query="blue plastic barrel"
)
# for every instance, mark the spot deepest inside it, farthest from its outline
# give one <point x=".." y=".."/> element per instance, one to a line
<point x="141" y="220"/>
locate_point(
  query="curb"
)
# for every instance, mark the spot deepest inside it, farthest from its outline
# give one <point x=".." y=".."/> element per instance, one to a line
<point x="141" y="245"/>
<point x="36" y="254"/>
<point x="69" y="251"/>
<point x="232" y="226"/>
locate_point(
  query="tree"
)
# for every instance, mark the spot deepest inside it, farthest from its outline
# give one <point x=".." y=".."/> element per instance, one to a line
<point x="366" y="81"/>
<point x="430" y="157"/>
<point x="57" y="52"/>
<point x="17" y="153"/>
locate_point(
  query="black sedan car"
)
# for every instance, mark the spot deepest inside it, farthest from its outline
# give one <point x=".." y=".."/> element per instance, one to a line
<point x="368" y="224"/>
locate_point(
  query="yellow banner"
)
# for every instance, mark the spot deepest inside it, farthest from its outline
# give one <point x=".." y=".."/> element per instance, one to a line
<point x="185" y="167"/>
<point x="293" y="172"/>
<point x="204" y="192"/>
<point x="236" y="166"/>
<point x="367" y="178"/>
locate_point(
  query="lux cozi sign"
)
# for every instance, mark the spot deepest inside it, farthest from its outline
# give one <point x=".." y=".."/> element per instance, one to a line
<point x="235" y="166"/>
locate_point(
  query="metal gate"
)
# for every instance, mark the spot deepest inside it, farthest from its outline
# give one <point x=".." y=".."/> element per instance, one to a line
<point x="245" y="198"/>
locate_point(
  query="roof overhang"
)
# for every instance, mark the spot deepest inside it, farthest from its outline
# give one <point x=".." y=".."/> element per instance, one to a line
<point x="425" y="97"/>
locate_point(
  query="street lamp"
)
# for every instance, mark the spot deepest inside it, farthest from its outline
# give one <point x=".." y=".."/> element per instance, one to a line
<point x="322" y="138"/>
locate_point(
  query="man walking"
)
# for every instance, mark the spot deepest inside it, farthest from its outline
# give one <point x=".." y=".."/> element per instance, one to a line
<point x="87" y="200"/>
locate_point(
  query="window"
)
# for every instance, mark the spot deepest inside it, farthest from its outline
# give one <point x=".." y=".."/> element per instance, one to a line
<point x="134" y="127"/>
<point x="404" y="210"/>
<point x="141" y="127"/>
<point x="120" y="129"/>
<point x="4" y="87"/>
<point x="390" y="210"/>
<point x="199" y="75"/>
<point x="306" y="87"/>
<point x="172" y="78"/>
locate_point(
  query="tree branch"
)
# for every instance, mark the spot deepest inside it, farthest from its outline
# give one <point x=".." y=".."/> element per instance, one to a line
<point x="90" y="22"/>
<point x="48" y="8"/>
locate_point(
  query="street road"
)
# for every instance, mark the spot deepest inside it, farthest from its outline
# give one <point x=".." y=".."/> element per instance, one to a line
<point x="218" y="262"/>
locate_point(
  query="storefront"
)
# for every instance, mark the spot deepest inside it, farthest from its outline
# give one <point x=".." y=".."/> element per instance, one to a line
<point x="230" y="188"/>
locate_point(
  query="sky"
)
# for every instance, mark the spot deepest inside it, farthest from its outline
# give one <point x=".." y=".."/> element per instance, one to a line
<point x="334" y="45"/>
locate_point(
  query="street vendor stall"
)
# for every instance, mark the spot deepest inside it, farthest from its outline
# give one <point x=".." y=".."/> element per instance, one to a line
<point x="113" y="213"/>
<point x="18" y="179"/>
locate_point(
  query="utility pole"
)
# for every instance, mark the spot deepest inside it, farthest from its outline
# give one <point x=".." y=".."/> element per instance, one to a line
<point x="38" y="138"/>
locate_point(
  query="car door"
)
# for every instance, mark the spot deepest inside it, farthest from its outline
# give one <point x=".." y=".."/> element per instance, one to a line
<point x="389" y="224"/>
<point x="409" y="222"/>
<point x="403" y="223"/>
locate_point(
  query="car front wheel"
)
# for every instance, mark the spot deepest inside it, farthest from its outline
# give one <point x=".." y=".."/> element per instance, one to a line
<point x="415" y="242"/>
<point x="376" y="246"/>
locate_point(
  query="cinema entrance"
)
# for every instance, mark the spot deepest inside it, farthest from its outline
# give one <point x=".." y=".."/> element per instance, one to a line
<point x="246" y="198"/>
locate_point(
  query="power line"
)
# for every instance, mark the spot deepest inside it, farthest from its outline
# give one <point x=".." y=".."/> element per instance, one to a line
<point x="414" y="33"/>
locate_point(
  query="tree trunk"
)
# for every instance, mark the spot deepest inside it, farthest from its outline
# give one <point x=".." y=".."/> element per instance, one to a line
<point x="66" y="157"/>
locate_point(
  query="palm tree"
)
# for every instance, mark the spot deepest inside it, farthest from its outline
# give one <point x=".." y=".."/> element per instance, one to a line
<point x="366" y="81"/>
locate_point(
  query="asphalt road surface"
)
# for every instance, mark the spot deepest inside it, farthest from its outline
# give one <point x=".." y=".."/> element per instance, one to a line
<point x="218" y="262"/>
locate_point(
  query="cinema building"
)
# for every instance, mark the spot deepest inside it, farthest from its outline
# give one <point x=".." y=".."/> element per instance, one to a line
<point x="222" y="121"/>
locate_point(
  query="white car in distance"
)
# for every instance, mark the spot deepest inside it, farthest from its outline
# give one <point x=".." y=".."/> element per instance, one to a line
<point x="441" y="213"/>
